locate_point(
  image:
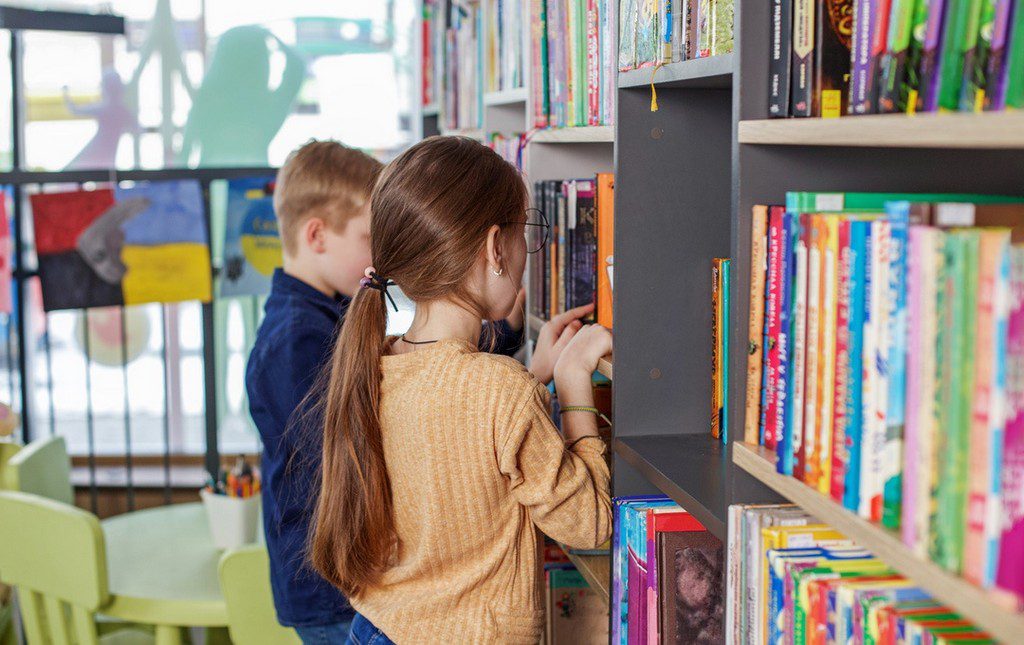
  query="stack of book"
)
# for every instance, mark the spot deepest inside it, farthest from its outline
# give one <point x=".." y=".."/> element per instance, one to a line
<point x="834" y="57"/>
<point x="510" y="148"/>
<point x="574" y="267"/>
<point x="667" y="575"/>
<point x="572" y="62"/>
<point x="654" y="32"/>
<point x="888" y="365"/>
<point x="430" y="43"/>
<point x="503" y="42"/>
<point x="462" y="104"/>
<point x="792" y="580"/>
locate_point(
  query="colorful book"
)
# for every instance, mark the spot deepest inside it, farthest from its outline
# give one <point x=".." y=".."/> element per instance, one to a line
<point x="896" y="405"/>
<point x="859" y="287"/>
<point x="802" y="61"/>
<point x="1013" y="73"/>
<point x="798" y="374"/>
<point x="605" y="247"/>
<point x="716" y="350"/>
<point x="976" y="59"/>
<point x="1010" y="569"/>
<point x="828" y="353"/>
<point x="961" y="34"/>
<point x="779" y="65"/>
<point x="690" y="560"/>
<point x="788" y="328"/>
<point x="870" y="30"/>
<point x="931" y="51"/>
<point x="892" y="84"/>
<point x="995" y="88"/>
<point x="808" y="460"/>
<point x="778" y="244"/>
<point x="755" y="334"/>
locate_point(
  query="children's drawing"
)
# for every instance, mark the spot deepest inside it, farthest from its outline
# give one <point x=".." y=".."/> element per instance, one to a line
<point x="252" y="247"/>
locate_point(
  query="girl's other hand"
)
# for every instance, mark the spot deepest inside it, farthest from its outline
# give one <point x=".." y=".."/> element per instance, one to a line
<point x="554" y="336"/>
<point x="578" y="361"/>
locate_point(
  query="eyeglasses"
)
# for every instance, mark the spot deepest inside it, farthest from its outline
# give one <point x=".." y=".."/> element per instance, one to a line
<point x="536" y="229"/>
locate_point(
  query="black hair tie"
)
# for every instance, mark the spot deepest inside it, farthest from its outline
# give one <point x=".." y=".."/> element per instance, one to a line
<point x="372" y="280"/>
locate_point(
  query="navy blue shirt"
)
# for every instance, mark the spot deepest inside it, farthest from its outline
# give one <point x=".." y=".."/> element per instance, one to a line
<point x="293" y="345"/>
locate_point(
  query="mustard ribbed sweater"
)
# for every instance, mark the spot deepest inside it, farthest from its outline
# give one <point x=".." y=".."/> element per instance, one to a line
<point x="476" y="467"/>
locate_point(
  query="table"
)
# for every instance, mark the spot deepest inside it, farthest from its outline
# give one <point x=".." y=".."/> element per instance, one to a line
<point x="162" y="567"/>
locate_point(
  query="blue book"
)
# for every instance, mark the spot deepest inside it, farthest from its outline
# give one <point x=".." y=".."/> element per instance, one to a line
<point x="626" y="516"/>
<point x="892" y="490"/>
<point x="723" y="423"/>
<point x="786" y="380"/>
<point x="860" y="252"/>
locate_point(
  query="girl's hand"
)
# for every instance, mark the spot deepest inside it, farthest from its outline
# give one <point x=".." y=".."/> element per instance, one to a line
<point x="553" y="338"/>
<point x="577" y="363"/>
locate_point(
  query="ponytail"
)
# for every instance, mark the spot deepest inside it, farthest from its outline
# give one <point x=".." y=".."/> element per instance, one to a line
<point x="354" y="531"/>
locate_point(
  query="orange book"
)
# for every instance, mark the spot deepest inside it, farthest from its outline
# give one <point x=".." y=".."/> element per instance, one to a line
<point x="758" y="259"/>
<point x="605" y="246"/>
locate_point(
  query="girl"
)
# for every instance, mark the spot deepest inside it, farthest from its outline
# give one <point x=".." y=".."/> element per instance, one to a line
<point x="441" y="462"/>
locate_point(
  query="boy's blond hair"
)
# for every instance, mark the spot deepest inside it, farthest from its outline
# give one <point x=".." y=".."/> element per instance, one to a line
<point x="325" y="179"/>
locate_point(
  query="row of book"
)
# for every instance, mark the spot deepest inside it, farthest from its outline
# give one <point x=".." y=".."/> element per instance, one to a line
<point x="452" y="62"/>
<point x="574" y="613"/>
<point x="573" y="255"/>
<point x="720" y="313"/>
<point x="503" y="42"/>
<point x="655" y="32"/>
<point x="667" y="575"/>
<point x="793" y="580"/>
<point x="572" y="62"/>
<point x="509" y="147"/>
<point x="834" y="57"/>
<point x="887" y="365"/>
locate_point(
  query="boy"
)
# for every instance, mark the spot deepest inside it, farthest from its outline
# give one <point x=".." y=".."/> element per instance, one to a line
<point x="322" y="203"/>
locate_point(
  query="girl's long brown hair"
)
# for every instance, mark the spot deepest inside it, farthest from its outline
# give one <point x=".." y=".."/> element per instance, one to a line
<point x="432" y="209"/>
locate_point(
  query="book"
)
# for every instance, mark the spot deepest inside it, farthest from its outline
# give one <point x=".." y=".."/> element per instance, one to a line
<point x="786" y="342"/>
<point x="576" y="613"/>
<point x="802" y="52"/>
<point x="870" y="28"/>
<point x="859" y="287"/>
<point x="809" y="460"/>
<point x="994" y="90"/>
<point x="828" y="352"/>
<point x="722" y="15"/>
<point x="755" y="331"/>
<point x="928" y="79"/>
<point x="896" y="366"/>
<point x="1013" y="71"/>
<point x="605" y="247"/>
<point x="892" y="85"/>
<point x="539" y="63"/>
<point x="716" y="350"/>
<point x="960" y="35"/>
<point x="798" y="372"/>
<point x="976" y="59"/>
<point x="779" y="66"/>
<point x="686" y="553"/>
<point x="777" y="249"/>
<point x="627" y="34"/>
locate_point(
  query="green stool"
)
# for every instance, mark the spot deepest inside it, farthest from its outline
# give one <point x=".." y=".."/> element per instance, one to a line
<point x="245" y="583"/>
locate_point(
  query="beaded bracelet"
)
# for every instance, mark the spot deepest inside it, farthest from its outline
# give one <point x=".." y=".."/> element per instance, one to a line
<point x="584" y="408"/>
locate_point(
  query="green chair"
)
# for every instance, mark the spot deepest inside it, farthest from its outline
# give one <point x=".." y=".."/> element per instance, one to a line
<point x="42" y="468"/>
<point x="245" y="583"/>
<point x="7" y="450"/>
<point x="54" y="555"/>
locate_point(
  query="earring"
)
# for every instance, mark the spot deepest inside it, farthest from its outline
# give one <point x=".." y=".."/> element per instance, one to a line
<point x="498" y="272"/>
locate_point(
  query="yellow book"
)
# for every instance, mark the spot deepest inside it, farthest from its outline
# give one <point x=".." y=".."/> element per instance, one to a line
<point x="827" y="351"/>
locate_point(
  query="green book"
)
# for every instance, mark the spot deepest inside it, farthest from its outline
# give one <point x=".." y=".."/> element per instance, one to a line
<point x="972" y="96"/>
<point x="580" y="77"/>
<point x="892" y="92"/>
<point x="961" y="33"/>
<point x="1015" y="61"/>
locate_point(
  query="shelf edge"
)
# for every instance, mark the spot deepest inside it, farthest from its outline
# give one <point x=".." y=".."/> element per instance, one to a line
<point x="973" y="603"/>
<point x="592" y="576"/>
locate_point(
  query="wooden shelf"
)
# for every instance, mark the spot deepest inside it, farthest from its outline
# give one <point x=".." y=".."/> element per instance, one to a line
<point x="429" y="110"/>
<point x="973" y="603"/>
<point x="589" y="134"/>
<point x="596" y="570"/>
<point x="604" y="367"/>
<point x="691" y="469"/>
<point x="1003" y="130"/>
<point x="505" y="97"/>
<point x="712" y="72"/>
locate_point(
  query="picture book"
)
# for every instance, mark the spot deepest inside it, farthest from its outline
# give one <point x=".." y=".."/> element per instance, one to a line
<point x="788" y="327"/>
<point x="896" y="367"/>
<point x="778" y="245"/>
<point x="576" y="613"/>
<point x="690" y="591"/>
<point x="808" y="460"/>
<point x="252" y="244"/>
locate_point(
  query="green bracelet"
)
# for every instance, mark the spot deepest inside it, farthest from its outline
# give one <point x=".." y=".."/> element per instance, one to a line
<point x="584" y="408"/>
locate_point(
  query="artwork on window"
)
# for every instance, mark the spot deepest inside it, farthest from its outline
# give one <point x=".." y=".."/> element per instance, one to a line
<point x="252" y="247"/>
<point x="147" y="243"/>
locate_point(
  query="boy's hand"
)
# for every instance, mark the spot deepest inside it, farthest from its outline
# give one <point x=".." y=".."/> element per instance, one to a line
<point x="577" y="363"/>
<point x="554" y="336"/>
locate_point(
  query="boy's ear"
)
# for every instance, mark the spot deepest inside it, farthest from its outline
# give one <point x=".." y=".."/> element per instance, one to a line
<point x="492" y="250"/>
<point x="313" y="234"/>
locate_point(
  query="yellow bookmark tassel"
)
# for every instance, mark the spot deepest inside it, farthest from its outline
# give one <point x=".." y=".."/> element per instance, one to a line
<point x="654" y="91"/>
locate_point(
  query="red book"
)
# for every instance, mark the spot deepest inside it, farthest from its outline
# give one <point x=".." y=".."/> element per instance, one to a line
<point x="593" y="64"/>
<point x="842" y="366"/>
<point x="773" y="314"/>
<point x="799" y="445"/>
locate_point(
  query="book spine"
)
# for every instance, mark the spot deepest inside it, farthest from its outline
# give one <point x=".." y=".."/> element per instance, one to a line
<point x="755" y="331"/>
<point x="609" y="61"/>
<point x="581" y="71"/>
<point x="693" y="8"/>
<point x="866" y="451"/>
<point x="860" y="235"/>
<point x="593" y="64"/>
<point x="722" y="38"/>
<point x="879" y="366"/>
<point x="1013" y="73"/>
<point x="870" y="24"/>
<point x="779" y="61"/>
<point x="784" y="409"/>
<point x="802" y="56"/>
<point x="726" y="312"/>
<point x="961" y="34"/>
<point x="626" y="59"/>
<point x="844" y="283"/>
<point x="827" y="363"/>
<point x="997" y="420"/>
<point x="894" y="63"/>
<point x="895" y="410"/>
<point x="704" y="28"/>
<point x="808" y="458"/>
<point x="915" y="286"/>
<point x="1010" y="568"/>
<point x="773" y="326"/>
<point x="976" y="60"/>
<point x="798" y="380"/>
<point x="716" y="357"/>
<point x="831" y="83"/>
<point x="931" y="52"/>
<point x="995" y="89"/>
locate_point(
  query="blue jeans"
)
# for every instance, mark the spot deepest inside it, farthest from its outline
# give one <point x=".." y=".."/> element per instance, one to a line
<point x="364" y="633"/>
<point x="333" y="634"/>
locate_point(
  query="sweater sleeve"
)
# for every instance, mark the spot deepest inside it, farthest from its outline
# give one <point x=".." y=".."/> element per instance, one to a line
<point x="566" y="491"/>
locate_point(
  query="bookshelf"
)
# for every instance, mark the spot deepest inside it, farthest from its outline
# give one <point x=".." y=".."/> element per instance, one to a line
<point x="999" y="130"/>
<point x="588" y="134"/>
<point x="506" y="97"/>
<point x="715" y="71"/>
<point x="596" y="570"/>
<point x="981" y="606"/>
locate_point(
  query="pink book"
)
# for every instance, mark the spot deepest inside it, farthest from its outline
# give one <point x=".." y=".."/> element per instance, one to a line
<point x="990" y="256"/>
<point x="842" y="363"/>
<point x="1010" y="572"/>
<point x="913" y="383"/>
<point x="773" y="312"/>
